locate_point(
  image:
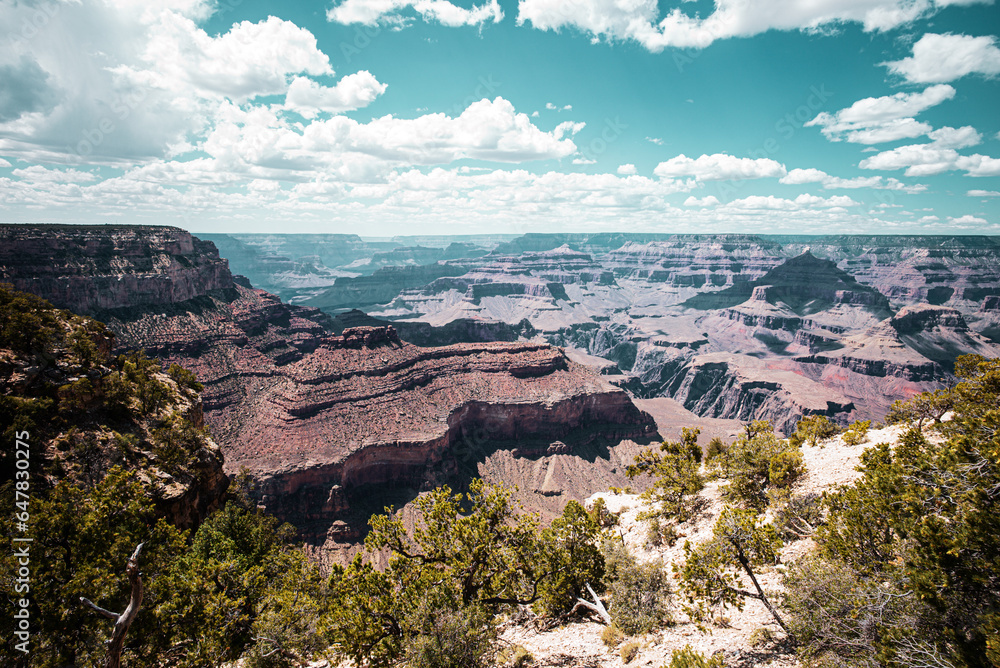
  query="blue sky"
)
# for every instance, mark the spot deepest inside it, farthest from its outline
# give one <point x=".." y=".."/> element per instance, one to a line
<point x="386" y="117"/>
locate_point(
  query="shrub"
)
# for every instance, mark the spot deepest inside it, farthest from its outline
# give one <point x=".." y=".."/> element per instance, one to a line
<point x="675" y="469"/>
<point x="611" y="636"/>
<point x="857" y="433"/>
<point x="447" y="638"/>
<point x="570" y="553"/>
<point x="515" y="657"/>
<point x="758" y="461"/>
<point x="184" y="378"/>
<point x="812" y="429"/>
<point x="629" y="651"/>
<point x="600" y="514"/>
<point x="709" y="575"/>
<point x="715" y="448"/>
<point x="689" y="658"/>
<point x="799" y="516"/>
<point x="761" y="636"/>
<point x="640" y="598"/>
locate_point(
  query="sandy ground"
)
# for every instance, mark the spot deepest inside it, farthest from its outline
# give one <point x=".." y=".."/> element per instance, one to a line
<point x="828" y="464"/>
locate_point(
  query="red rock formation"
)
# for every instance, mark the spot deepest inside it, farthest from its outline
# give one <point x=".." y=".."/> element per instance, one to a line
<point x="90" y="268"/>
<point x="310" y="414"/>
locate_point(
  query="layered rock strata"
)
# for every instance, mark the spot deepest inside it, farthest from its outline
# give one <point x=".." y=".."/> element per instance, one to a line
<point x="317" y="415"/>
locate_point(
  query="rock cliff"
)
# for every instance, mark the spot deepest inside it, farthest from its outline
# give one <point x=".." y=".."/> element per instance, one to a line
<point x="322" y="418"/>
<point x="90" y="268"/>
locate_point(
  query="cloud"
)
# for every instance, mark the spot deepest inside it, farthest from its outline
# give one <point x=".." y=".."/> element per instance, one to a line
<point x="979" y="165"/>
<point x="4" y="163"/>
<point x="390" y="12"/>
<point x="554" y="107"/>
<point x="704" y="202"/>
<point x="804" y="201"/>
<point x="640" y="20"/>
<point x="940" y="58"/>
<point x="40" y="174"/>
<point x="659" y="142"/>
<point x="917" y="159"/>
<point x="24" y="88"/>
<point x="139" y="81"/>
<point x="967" y="221"/>
<point x="983" y="193"/>
<point x="875" y="120"/>
<point x="250" y="60"/>
<point x="567" y="127"/>
<point x="811" y="175"/>
<point x="719" y="167"/>
<point x="627" y="169"/>
<point x="485" y="130"/>
<point x="938" y="156"/>
<point x="352" y="92"/>
<point x="955" y="137"/>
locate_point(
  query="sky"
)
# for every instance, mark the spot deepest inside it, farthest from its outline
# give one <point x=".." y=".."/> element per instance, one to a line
<point x="396" y="117"/>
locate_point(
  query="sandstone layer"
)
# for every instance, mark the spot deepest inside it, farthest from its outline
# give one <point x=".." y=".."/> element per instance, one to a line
<point x="326" y="417"/>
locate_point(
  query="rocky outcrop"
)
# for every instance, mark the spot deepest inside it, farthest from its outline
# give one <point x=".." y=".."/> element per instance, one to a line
<point x="389" y="412"/>
<point x="89" y="268"/>
<point x="85" y="414"/>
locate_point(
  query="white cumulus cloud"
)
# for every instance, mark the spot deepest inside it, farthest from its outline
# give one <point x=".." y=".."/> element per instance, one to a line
<point x="875" y="120"/>
<point x="391" y="12"/>
<point x="941" y="58"/>
<point x="983" y="193"/>
<point x="719" y="167"/>
<point x="641" y="20"/>
<point x="352" y="92"/>
<point x="627" y="169"/>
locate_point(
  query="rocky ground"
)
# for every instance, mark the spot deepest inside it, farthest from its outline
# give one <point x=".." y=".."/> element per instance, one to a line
<point x="578" y="644"/>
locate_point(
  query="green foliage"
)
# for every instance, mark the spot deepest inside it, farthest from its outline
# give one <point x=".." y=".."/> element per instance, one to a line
<point x="448" y="638"/>
<point x="184" y="378"/>
<point x="756" y="463"/>
<point x="639" y="598"/>
<point x="677" y="479"/>
<point x="929" y="406"/>
<point x="715" y="448"/>
<point x="571" y="555"/>
<point x="600" y="514"/>
<point x="857" y="433"/>
<point x="812" y="429"/>
<point x="27" y="322"/>
<point x="836" y="614"/>
<point x="689" y="658"/>
<point x="82" y="541"/>
<point x="761" y="637"/>
<point x="924" y="515"/>
<point x="471" y="554"/>
<point x="629" y="651"/>
<point x="709" y="574"/>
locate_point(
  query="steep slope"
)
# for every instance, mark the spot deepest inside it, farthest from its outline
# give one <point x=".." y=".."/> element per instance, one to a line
<point x="83" y="411"/>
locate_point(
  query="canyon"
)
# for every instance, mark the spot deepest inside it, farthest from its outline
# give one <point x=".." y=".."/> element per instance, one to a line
<point x="731" y="326"/>
<point x="380" y="368"/>
<point x="334" y="421"/>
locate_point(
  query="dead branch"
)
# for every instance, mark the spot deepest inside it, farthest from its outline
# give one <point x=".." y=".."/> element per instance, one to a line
<point x="113" y="658"/>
